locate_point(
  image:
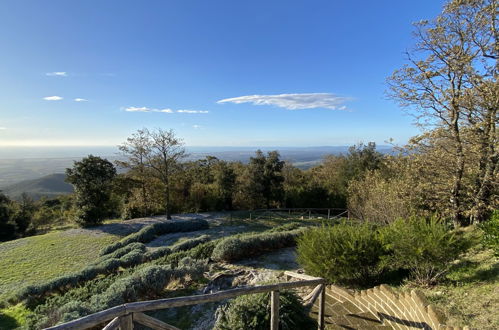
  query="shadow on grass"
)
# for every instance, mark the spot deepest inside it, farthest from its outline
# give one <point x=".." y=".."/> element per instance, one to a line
<point x="8" y="322"/>
<point x="468" y="271"/>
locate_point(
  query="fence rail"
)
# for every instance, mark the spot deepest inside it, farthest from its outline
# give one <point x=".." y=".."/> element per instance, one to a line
<point x="310" y="212"/>
<point x="124" y="316"/>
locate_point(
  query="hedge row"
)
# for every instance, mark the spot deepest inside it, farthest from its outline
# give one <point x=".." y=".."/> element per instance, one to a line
<point x="244" y="246"/>
<point x="185" y="245"/>
<point x="148" y="233"/>
<point x="145" y="283"/>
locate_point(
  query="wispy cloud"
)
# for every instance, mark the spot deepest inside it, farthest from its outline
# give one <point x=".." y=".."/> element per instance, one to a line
<point x="57" y="74"/>
<point x="294" y="101"/>
<point x="166" y="110"/>
<point x="80" y="100"/>
<point x="197" y="126"/>
<point x="192" y="111"/>
<point x="52" y="98"/>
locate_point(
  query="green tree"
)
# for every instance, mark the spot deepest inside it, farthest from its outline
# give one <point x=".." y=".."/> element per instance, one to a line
<point x="265" y="186"/>
<point x="23" y="215"/>
<point x="92" y="179"/>
<point x="7" y="228"/>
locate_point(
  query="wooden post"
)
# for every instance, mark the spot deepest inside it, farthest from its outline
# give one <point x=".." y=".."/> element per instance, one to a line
<point x="250" y="216"/>
<point x="309" y="214"/>
<point x="322" y="303"/>
<point x="274" y="310"/>
<point x="328" y="213"/>
<point x="126" y="322"/>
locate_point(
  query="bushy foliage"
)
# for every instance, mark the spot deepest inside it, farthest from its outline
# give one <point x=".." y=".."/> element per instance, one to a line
<point x="287" y="227"/>
<point x="190" y="243"/>
<point x="425" y="247"/>
<point x="491" y="232"/>
<point x="244" y="246"/>
<point x="252" y="312"/>
<point x="148" y="233"/>
<point x="344" y="253"/>
<point x="143" y="283"/>
<point x="92" y="178"/>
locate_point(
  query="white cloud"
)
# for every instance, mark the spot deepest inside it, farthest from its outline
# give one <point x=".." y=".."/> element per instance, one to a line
<point x="196" y="126"/>
<point x="57" y="74"/>
<point x="166" y="110"/>
<point x="293" y="101"/>
<point x="2" y="128"/>
<point x="52" y="98"/>
<point x="80" y="100"/>
<point x="192" y="111"/>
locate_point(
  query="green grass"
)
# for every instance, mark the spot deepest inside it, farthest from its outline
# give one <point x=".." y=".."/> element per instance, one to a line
<point x="39" y="258"/>
<point x="470" y="294"/>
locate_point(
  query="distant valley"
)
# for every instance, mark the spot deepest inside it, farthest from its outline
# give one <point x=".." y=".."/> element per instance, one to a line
<point x="40" y="176"/>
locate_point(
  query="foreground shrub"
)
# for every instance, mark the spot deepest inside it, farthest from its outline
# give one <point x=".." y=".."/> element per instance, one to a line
<point x="252" y="312"/>
<point x="343" y="253"/>
<point x="424" y="247"/>
<point x="148" y="233"/>
<point x="144" y="283"/>
<point x="491" y="232"/>
<point x="244" y="246"/>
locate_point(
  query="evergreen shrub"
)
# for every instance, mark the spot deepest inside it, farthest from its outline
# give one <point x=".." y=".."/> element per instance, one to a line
<point x="252" y="312"/>
<point x="343" y="253"/>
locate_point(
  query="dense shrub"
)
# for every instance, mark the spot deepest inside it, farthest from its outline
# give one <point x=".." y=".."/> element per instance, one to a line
<point x="343" y="253"/>
<point x="491" y="232"/>
<point x="244" y="246"/>
<point x="190" y="243"/>
<point x="201" y="252"/>
<point x="144" y="283"/>
<point x="148" y="233"/>
<point x="425" y="247"/>
<point x="183" y="246"/>
<point x="253" y="312"/>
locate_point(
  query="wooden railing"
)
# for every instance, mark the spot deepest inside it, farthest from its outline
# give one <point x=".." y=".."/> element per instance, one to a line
<point x="309" y="212"/>
<point x="124" y="316"/>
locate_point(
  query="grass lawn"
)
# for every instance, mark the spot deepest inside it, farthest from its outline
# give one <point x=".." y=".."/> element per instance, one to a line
<point x="39" y="258"/>
<point x="470" y="294"/>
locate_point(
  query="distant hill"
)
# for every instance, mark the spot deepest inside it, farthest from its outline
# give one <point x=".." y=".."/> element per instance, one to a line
<point x="48" y="186"/>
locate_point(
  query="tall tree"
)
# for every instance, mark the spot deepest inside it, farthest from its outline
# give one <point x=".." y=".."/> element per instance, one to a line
<point x="92" y="179"/>
<point x="265" y="186"/>
<point x="455" y="56"/>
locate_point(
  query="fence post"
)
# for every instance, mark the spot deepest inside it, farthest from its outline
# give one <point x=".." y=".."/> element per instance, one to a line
<point x="322" y="303"/>
<point x="328" y="213"/>
<point x="274" y="310"/>
<point x="309" y="214"/>
<point x="126" y="322"/>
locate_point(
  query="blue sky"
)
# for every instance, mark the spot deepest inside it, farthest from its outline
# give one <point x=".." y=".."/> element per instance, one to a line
<point x="249" y="73"/>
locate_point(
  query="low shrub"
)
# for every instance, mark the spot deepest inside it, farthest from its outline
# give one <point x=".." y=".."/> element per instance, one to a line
<point x="253" y="312"/>
<point x="201" y="252"/>
<point x="425" y="247"/>
<point x="343" y="253"/>
<point x="491" y="232"/>
<point x="244" y="246"/>
<point x="287" y="227"/>
<point x="148" y="233"/>
<point x="190" y="243"/>
<point x="144" y="283"/>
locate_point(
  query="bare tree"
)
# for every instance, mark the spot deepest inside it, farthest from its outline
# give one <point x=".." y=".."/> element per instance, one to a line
<point x="453" y="62"/>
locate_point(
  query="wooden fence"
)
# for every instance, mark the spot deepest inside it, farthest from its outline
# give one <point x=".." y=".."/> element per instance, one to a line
<point x="124" y="316"/>
<point x="303" y="213"/>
